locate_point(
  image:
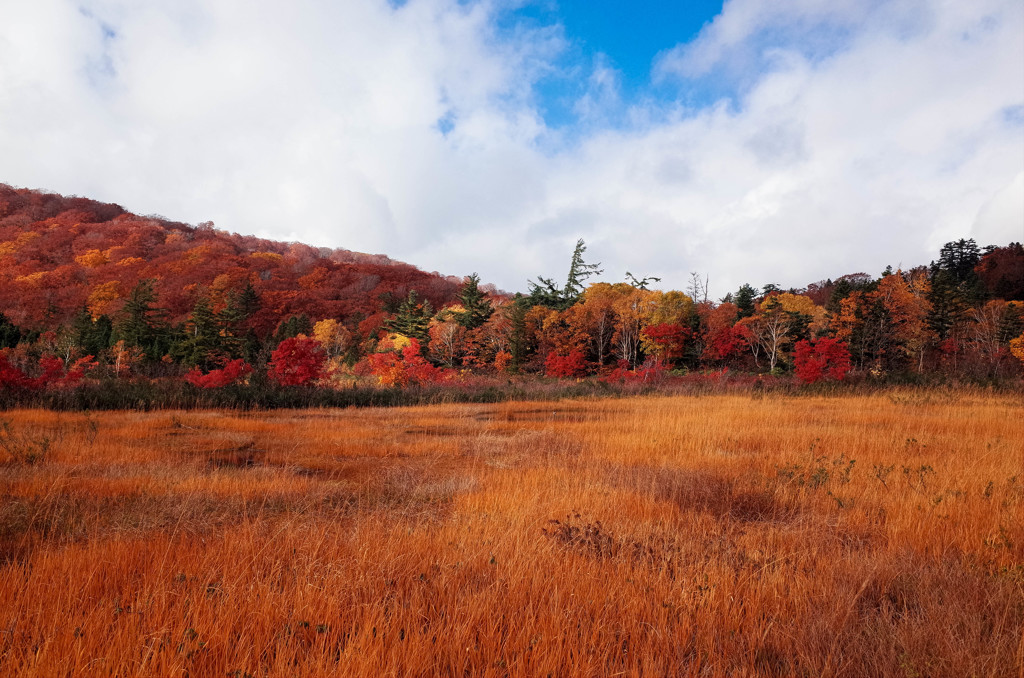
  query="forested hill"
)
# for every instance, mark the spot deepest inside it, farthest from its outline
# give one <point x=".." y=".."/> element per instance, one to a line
<point x="90" y="291"/>
<point x="60" y="255"/>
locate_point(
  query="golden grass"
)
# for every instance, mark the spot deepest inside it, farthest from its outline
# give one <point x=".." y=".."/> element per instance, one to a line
<point x="703" y="536"/>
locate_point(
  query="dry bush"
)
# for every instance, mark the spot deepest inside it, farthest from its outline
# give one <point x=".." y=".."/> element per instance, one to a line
<point x="705" y="536"/>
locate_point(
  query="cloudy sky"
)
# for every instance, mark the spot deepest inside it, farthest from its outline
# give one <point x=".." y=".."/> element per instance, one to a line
<point x="764" y="140"/>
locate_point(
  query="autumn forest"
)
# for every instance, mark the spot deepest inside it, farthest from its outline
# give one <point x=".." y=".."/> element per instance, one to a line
<point x="90" y="293"/>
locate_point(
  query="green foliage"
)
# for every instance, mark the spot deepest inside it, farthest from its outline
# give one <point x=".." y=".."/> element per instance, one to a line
<point x="545" y="292"/>
<point x="478" y="308"/>
<point x="92" y="337"/>
<point x="142" y="324"/>
<point x="412" y="319"/>
<point x="640" y="283"/>
<point x="516" y="314"/>
<point x="293" y="327"/>
<point x="744" y="300"/>
<point x="10" y="335"/>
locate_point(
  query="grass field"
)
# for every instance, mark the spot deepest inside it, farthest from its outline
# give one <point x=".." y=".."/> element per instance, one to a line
<point x="707" y="536"/>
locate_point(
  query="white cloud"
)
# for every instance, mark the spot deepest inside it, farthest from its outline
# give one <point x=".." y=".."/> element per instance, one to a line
<point x="859" y="135"/>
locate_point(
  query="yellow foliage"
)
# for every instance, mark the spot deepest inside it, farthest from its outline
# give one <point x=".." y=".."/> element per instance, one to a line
<point x="31" y="278"/>
<point x="393" y="341"/>
<point x="131" y="261"/>
<point x="102" y="296"/>
<point x="672" y="307"/>
<point x="333" y="336"/>
<point x="269" y="257"/>
<point x="795" y="303"/>
<point x="12" y="246"/>
<point x="91" y="259"/>
<point x="198" y="253"/>
<point x="1017" y="347"/>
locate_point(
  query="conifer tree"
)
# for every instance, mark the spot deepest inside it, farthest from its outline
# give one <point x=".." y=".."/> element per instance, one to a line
<point x="478" y="308"/>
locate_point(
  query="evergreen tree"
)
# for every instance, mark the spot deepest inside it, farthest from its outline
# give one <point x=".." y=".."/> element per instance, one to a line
<point x="744" y="300"/>
<point x="579" y="271"/>
<point x="202" y="343"/>
<point x="10" y="335"/>
<point x="91" y="336"/>
<point x="516" y="314"/>
<point x="142" y="323"/>
<point x="293" y="327"/>
<point x="477" y="307"/>
<point x="955" y="287"/>
<point x="544" y="292"/>
<point x="412" y="319"/>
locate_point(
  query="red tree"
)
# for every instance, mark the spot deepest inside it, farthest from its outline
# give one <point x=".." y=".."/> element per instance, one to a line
<point x="826" y="358"/>
<point x="297" y="361"/>
<point x="410" y="368"/>
<point x="666" y="340"/>
<point x="232" y="372"/>
<point x="565" y="366"/>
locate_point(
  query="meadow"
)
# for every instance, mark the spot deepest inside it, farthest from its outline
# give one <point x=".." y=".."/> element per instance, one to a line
<point x="739" y="535"/>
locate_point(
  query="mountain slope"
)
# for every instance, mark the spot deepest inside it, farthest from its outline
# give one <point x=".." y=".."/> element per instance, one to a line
<point x="59" y="254"/>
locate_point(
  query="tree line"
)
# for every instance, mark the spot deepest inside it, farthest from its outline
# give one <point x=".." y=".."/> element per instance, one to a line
<point x="961" y="317"/>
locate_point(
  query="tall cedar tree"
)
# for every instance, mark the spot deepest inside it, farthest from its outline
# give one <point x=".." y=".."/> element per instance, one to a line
<point x="142" y="323"/>
<point x="202" y="344"/>
<point x="412" y="319"/>
<point x="10" y="335"/>
<point x="955" y="287"/>
<point x="92" y="337"/>
<point x="477" y="307"/>
<point x="544" y="292"/>
<point x="744" y="300"/>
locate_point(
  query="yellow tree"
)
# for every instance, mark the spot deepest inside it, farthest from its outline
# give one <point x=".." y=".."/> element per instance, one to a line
<point x="633" y="312"/>
<point x="904" y="299"/>
<point x="768" y="331"/>
<point x="1017" y="348"/>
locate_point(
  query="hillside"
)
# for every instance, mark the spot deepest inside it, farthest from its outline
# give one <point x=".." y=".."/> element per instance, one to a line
<point x="90" y="291"/>
<point x="59" y="255"/>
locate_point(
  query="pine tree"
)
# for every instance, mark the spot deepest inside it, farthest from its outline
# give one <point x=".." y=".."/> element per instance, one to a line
<point x="516" y="314"/>
<point x="412" y="319"/>
<point x="744" y="300"/>
<point x="478" y="308"/>
<point x="91" y="336"/>
<point x="10" y="335"/>
<point x="579" y="271"/>
<point x="142" y="323"/>
<point x="544" y="292"/>
<point x="202" y="343"/>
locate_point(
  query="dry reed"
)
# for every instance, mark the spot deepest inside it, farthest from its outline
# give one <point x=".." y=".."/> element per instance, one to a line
<point x="687" y="536"/>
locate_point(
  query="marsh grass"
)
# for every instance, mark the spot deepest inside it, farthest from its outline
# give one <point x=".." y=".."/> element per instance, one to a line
<point x="716" y="535"/>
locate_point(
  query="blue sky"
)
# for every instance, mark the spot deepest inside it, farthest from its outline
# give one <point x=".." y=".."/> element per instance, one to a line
<point x="625" y="36"/>
<point x="755" y="141"/>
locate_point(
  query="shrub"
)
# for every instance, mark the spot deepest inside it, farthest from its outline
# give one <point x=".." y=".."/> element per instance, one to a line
<point x="825" y="358"/>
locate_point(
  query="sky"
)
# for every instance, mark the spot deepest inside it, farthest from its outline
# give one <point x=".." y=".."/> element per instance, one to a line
<point x="759" y="141"/>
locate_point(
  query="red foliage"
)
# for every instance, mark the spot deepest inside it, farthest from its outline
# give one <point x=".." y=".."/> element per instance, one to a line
<point x="573" y="365"/>
<point x="78" y="370"/>
<point x="725" y="343"/>
<point x="650" y="371"/>
<point x="232" y="372"/>
<point x="13" y="378"/>
<point x="826" y="358"/>
<point x="668" y="338"/>
<point x="297" y="361"/>
<point x="409" y="368"/>
<point x="51" y="371"/>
